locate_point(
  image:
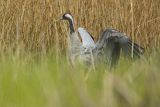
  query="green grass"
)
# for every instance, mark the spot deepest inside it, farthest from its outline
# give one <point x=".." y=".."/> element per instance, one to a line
<point x="46" y="81"/>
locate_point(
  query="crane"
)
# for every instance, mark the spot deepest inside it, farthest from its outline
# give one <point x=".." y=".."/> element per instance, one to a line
<point x="108" y="47"/>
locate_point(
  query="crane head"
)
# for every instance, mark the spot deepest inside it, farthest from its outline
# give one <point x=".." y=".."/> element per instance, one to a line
<point x="67" y="16"/>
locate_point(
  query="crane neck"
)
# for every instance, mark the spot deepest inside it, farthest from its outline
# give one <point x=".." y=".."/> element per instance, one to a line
<point x="71" y="25"/>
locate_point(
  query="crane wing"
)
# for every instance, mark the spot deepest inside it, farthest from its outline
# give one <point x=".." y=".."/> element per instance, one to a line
<point x="87" y="39"/>
<point x="112" y="42"/>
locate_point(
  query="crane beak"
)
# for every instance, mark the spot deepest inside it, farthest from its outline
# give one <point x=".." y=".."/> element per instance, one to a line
<point x="58" y="19"/>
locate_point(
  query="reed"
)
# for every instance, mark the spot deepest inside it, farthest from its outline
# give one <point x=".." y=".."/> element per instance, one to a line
<point x="34" y="71"/>
<point x="31" y="24"/>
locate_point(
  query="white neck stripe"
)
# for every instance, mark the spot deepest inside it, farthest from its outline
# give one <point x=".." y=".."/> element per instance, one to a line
<point x="69" y="16"/>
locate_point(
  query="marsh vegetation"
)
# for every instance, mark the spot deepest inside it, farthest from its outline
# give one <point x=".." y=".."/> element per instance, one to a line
<point x="34" y="71"/>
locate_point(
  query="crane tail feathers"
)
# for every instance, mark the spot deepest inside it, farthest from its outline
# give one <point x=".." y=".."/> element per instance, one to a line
<point x="137" y="49"/>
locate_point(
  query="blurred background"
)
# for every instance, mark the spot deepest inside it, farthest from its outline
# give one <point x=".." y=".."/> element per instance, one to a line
<point x="31" y="79"/>
<point x="31" y="24"/>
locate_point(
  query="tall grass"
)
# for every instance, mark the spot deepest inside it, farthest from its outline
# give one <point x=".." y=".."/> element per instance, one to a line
<point x="31" y="24"/>
<point x="31" y="81"/>
<point x="34" y="71"/>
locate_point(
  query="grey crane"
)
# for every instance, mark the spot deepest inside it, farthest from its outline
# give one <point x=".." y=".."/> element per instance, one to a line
<point x="78" y="51"/>
<point x="109" y="46"/>
<point x="112" y="42"/>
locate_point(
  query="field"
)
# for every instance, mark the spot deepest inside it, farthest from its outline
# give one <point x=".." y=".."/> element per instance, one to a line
<point x="34" y="71"/>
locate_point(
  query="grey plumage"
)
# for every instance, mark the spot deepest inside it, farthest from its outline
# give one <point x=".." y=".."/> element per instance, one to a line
<point x="74" y="47"/>
<point x="112" y="42"/>
<point x="107" y="49"/>
<point x="77" y="51"/>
